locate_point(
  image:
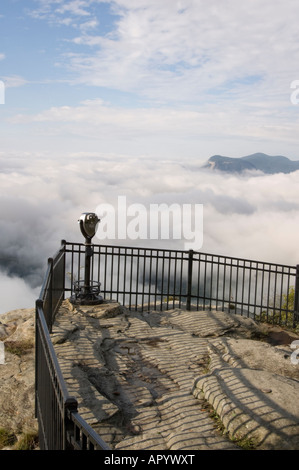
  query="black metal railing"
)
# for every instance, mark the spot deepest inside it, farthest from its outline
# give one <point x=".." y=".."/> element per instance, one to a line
<point x="137" y="277"/>
<point x="146" y="278"/>
<point x="60" y="425"/>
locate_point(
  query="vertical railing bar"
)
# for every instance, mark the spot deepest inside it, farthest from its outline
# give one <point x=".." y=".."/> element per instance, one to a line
<point x="168" y="278"/>
<point x="224" y="282"/>
<point x="189" y="279"/>
<point x="211" y="281"/>
<point x="150" y="276"/>
<point x="72" y="270"/>
<point x="143" y="277"/>
<point x="103" y="255"/>
<point x="296" y="297"/>
<point x="162" y="279"/>
<point x="183" y="288"/>
<point x="274" y="293"/>
<point x="281" y="294"/>
<point x="112" y="271"/>
<point x="237" y="284"/>
<point x="157" y="287"/>
<point x="125" y="276"/>
<point x="79" y="267"/>
<point x="288" y="276"/>
<point x="131" y="277"/>
<point x="196" y="283"/>
<point x="230" y="283"/>
<point x="100" y="277"/>
<point x="92" y="268"/>
<point x="198" y="278"/>
<point x="268" y="298"/>
<point x="217" y="282"/>
<point x="181" y="271"/>
<point x="174" y="279"/>
<point x="249" y="288"/>
<point x="243" y="286"/>
<point x="119" y="275"/>
<point x="255" y="289"/>
<point x="137" y="277"/>
<point x="262" y="289"/>
<point x="205" y="281"/>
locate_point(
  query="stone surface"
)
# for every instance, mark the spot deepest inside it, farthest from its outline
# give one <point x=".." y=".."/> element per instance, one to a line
<point x="17" y="374"/>
<point x="156" y="380"/>
<point x="153" y="380"/>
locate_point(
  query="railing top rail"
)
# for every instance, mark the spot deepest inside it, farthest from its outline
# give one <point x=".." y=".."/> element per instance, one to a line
<point x="93" y="437"/>
<point x="45" y="281"/>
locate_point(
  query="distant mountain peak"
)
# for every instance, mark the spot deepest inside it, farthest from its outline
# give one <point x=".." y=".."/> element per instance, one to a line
<point x="255" y="162"/>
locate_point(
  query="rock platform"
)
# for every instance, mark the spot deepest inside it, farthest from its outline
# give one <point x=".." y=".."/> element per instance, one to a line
<point x="178" y="380"/>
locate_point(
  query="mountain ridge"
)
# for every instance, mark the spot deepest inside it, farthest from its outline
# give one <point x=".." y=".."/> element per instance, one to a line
<point x="255" y="162"/>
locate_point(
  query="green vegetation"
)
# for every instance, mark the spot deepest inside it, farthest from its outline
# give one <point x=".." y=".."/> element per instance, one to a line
<point x="283" y="316"/>
<point x="7" y="438"/>
<point x="244" y="442"/>
<point x="19" y="348"/>
<point x="27" y="441"/>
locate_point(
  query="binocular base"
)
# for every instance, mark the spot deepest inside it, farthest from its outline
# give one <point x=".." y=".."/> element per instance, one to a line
<point x="88" y="299"/>
<point x="86" y="294"/>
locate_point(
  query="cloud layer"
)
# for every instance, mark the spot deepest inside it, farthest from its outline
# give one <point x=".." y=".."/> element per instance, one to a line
<point x="251" y="217"/>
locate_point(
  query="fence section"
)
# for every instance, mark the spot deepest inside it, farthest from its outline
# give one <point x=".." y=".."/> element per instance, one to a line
<point x="134" y="277"/>
<point x="60" y="425"/>
<point x="143" y="278"/>
<point x="263" y="291"/>
<point x="52" y="292"/>
<point x="137" y="277"/>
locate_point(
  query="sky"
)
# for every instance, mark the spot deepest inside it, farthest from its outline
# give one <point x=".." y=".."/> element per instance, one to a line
<point x="101" y="99"/>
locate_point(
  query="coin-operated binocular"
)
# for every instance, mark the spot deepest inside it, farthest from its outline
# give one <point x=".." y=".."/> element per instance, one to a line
<point x="88" y="225"/>
<point x="87" y="292"/>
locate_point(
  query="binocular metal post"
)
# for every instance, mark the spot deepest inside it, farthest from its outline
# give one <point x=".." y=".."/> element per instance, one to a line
<point x="87" y="292"/>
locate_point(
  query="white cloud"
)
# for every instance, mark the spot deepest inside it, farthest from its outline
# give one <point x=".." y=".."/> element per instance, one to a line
<point x="75" y="7"/>
<point x="194" y="72"/>
<point x="167" y="55"/>
<point x="89" y="25"/>
<point x="14" y="81"/>
<point x="180" y="51"/>
<point x="151" y="127"/>
<point x="15" y="294"/>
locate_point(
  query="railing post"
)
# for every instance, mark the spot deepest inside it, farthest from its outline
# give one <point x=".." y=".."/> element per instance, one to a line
<point x="63" y="249"/>
<point x="50" y="293"/>
<point x="189" y="280"/>
<point x="38" y="304"/>
<point x="296" y="296"/>
<point x="70" y="405"/>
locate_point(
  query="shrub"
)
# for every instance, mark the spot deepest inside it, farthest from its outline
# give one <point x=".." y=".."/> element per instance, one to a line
<point x="28" y="441"/>
<point x="19" y="348"/>
<point x="283" y="316"/>
<point x="7" y="438"/>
